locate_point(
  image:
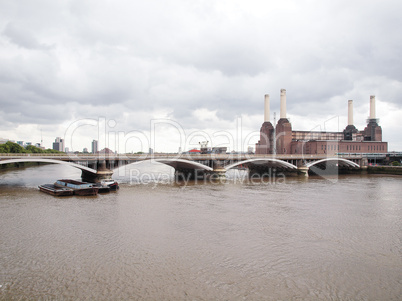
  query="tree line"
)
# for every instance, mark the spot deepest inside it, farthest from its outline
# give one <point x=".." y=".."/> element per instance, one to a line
<point x="14" y="148"/>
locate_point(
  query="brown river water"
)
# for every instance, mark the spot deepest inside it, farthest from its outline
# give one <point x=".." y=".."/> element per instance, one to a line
<point x="288" y="239"/>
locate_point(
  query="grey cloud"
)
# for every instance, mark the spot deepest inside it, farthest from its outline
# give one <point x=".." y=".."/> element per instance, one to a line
<point x="23" y="37"/>
<point x="145" y="57"/>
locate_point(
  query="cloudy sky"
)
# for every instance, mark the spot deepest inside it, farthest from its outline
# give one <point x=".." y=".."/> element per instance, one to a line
<point x="163" y="74"/>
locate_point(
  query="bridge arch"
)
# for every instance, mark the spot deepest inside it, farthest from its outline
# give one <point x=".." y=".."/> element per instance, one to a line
<point x="183" y="164"/>
<point x="340" y="161"/>
<point x="175" y="163"/>
<point x="52" y="161"/>
<point x="276" y="162"/>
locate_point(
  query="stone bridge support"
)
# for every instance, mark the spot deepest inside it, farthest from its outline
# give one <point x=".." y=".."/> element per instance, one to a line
<point x="218" y="170"/>
<point x="101" y="173"/>
<point x="303" y="171"/>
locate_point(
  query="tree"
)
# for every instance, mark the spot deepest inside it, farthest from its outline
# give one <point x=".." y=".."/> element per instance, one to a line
<point x="14" y="148"/>
<point x="33" y="149"/>
<point x="52" y="151"/>
<point x="11" y="147"/>
<point x="4" y="148"/>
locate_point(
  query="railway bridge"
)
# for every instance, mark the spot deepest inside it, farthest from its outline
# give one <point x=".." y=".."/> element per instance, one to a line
<point x="98" y="166"/>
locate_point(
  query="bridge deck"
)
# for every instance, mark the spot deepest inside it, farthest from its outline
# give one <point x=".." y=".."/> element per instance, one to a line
<point x="195" y="157"/>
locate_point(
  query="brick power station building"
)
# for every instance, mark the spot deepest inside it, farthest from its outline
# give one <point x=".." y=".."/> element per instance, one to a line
<point x="283" y="140"/>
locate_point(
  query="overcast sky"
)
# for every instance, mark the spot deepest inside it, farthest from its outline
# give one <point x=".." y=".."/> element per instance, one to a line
<point x="194" y="67"/>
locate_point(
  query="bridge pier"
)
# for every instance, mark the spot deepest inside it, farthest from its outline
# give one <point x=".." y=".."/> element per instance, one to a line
<point x="87" y="176"/>
<point x="218" y="172"/>
<point x="101" y="173"/>
<point x="302" y="171"/>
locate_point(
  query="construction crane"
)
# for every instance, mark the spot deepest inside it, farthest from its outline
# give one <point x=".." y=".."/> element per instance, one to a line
<point x="204" y="147"/>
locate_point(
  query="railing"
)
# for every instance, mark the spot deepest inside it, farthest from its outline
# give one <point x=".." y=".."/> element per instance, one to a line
<point x="192" y="155"/>
<point x="31" y="154"/>
<point x="196" y="156"/>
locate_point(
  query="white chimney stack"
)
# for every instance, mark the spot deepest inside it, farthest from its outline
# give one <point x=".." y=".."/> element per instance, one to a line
<point x="350" y="112"/>
<point x="283" y="103"/>
<point x="266" y="108"/>
<point x="372" y="106"/>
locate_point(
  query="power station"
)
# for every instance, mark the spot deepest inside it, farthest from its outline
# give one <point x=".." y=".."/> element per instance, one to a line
<point x="281" y="139"/>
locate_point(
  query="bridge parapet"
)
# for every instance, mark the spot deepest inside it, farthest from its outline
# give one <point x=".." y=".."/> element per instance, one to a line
<point x="196" y="156"/>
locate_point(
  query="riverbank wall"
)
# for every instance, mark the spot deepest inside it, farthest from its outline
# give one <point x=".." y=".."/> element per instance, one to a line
<point x="390" y="170"/>
<point x="11" y="166"/>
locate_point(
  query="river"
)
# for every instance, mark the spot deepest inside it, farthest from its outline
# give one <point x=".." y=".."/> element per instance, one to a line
<point x="287" y="239"/>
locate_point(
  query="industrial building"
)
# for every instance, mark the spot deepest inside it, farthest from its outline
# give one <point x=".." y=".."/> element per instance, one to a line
<point x="281" y="139"/>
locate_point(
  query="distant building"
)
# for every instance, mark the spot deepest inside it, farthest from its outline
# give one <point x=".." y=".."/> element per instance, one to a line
<point x="38" y="145"/>
<point x="20" y="143"/>
<point x="219" y="150"/>
<point x="67" y="149"/>
<point x="151" y="151"/>
<point x="58" y="144"/>
<point x="94" y="146"/>
<point x="212" y="150"/>
<point x="107" y="152"/>
<point x="2" y="140"/>
<point x="281" y="139"/>
<point x="204" y="149"/>
<point x="85" y="150"/>
<point x="250" y="150"/>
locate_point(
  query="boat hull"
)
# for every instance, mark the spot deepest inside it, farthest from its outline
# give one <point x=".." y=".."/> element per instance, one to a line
<point x="112" y="184"/>
<point x="86" y="191"/>
<point x="56" y="191"/>
<point x="79" y="188"/>
<point x="102" y="188"/>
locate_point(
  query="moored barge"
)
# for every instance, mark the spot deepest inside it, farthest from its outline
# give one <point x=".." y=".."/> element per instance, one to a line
<point x="54" y="190"/>
<point x="79" y="188"/>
